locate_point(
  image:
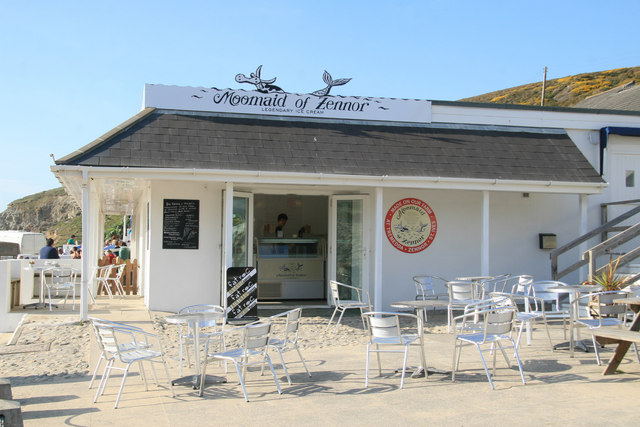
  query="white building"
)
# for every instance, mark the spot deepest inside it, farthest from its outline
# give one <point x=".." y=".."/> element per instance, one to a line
<point x="390" y="189"/>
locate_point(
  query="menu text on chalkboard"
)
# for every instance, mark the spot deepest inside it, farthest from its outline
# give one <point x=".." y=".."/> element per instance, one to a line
<point x="180" y="224"/>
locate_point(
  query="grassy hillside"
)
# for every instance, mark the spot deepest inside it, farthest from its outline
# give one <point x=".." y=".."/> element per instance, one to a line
<point x="562" y="92"/>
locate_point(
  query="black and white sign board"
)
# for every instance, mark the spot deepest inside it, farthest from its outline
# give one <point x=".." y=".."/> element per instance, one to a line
<point x="242" y="294"/>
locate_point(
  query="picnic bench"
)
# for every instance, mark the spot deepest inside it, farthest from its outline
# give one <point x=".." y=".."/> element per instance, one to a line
<point x="623" y="337"/>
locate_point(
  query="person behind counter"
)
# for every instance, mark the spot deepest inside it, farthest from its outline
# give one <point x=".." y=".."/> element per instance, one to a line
<point x="49" y="252"/>
<point x="282" y="221"/>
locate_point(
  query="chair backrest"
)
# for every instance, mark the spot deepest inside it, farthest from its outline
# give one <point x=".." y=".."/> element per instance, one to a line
<point x="602" y="305"/>
<point x="499" y="320"/>
<point x="519" y="284"/>
<point x="256" y="336"/>
<point x="462" y="290"/>
<point x="60" y="276"/>
<point x="425" y="285"/>
<point x="349" y="293"/>
<point x="204" y="308"/>
<point x="539" y="289"/>
<point x="387" y="325"/>
<point x="119" y="271"/>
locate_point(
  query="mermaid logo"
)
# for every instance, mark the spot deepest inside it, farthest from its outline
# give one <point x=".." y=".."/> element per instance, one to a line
<point x="410" y="225"/>
<point x="267" y="86"/>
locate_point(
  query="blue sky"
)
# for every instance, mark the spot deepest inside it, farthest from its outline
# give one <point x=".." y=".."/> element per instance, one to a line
<point x="72" y="70"/>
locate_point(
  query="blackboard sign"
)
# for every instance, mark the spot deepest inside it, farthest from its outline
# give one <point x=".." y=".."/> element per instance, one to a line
<point x="180" y="224"/>
<point x="242" y="293"/>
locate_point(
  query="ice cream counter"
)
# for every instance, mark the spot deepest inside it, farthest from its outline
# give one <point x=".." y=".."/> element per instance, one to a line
<point x="290" y="268"/>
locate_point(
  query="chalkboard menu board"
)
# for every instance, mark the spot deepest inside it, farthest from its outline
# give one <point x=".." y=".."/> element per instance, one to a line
<point x="242" y="293"/>
<point x="180" y="224"/>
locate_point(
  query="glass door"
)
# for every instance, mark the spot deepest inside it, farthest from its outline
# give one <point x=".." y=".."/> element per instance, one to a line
<point x="348" y="261"/>
<point x="242" y="234"/>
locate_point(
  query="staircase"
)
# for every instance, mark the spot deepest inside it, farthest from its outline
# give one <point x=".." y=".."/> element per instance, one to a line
<point x="596" y="255"/>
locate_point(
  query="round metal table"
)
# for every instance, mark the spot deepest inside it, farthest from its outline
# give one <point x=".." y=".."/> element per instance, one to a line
<point x="194" y="319"/>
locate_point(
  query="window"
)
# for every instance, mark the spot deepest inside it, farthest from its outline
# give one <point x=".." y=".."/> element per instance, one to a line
<point x="630" y="179"/>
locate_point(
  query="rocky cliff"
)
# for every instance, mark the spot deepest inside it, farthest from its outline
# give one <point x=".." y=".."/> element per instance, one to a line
<point x="51" y="212"/>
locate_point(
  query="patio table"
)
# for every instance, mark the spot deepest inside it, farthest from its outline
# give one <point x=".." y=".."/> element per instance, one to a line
<point x="420" y="306"/>
<point x="194" y="319"/>
<point x="573" y="291"/>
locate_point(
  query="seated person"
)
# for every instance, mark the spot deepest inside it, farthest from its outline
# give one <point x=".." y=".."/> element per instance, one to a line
<point x="110" y="256"/>
<point x="125" y="253"/>
<point x="75" y="253"/>
<point x="49" y="252"/>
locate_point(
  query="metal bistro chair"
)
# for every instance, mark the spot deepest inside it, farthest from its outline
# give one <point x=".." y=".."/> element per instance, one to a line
<point x="287" y="338"/>
<point x="461" y="294"/>
<point x="425" y="286"/>
<point x="123" y="345"/>
<point x="102" y="273"/>
<point x="255" y="340"/>
<point x="341" y="305"/>
<point x="533" y="311"/>
<point x="539" y="290"/>
<point x="496" y="318"/>
<point x="384" y="330"/>
<point x="114" y="343"/>
<point x="602" y="312"/>
<point x="61" y="279"/>
<point x="209" y="330"/>
<point x="116" y="279"/>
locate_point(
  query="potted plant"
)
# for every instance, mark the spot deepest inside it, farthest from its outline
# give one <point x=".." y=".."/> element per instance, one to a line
<point x="610" y="281"/>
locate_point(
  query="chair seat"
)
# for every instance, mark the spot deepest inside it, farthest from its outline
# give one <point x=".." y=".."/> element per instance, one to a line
<point x="403" y="340"/>
<point x="596" y="323"/>
<point x="525" y="316"/>
<point x="480" y="338"/>
<point x="353" y="304"/>
<point x="236" y="353"/>
<point x="138" y="354"/>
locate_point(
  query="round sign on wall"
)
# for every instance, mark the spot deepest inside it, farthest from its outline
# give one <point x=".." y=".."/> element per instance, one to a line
<point x="410" y="225"/>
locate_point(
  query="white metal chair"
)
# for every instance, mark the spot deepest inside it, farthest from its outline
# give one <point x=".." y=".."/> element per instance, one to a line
<point x="385" y="331"/>
<point x="209" y="330"/>
<point x="127" y="346"/>
<point x="116" y="279"/>
<point x="425" y="286"/>
<point x="253" y="351"/>
<point x="600" y="311"/>
<point x="487" y="322"/>
<point x="461" y="294"/>
<point x="102" y="273"/>
<point x="539" y="290"/>
<point x="123" y="345"/>
<point x="498" y="283"/>
<point x="355" y="299"/>
<point x="287" y="338"/>
<point x="61" y="280"/>
<point x="533" y="312"/>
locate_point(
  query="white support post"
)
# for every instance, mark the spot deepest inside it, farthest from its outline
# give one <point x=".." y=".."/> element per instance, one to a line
<point x="227" y="253"/>
<point x="582" y="248"/>
<point x="378" y="221"/>
<point x="484" y="250"/>
<point x="87" y="242"/>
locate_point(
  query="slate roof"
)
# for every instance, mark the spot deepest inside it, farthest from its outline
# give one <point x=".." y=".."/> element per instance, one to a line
<point x="625" y="97"/>
<point x="159" y="139"/>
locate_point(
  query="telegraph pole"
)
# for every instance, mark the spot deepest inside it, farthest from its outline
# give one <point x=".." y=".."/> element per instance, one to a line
<point x="544" y="85"/>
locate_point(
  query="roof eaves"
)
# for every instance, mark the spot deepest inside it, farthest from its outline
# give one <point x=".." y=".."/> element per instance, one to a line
<point x="102" y="139"/>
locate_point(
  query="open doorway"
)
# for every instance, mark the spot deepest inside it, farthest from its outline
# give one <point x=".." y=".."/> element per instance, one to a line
<point x="290" y="246"/>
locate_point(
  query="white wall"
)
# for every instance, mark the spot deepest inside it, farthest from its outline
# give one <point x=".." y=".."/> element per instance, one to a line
<point x="8" y="269"/>
<point x="514" y="227"/>
<point x="181" y="277"/>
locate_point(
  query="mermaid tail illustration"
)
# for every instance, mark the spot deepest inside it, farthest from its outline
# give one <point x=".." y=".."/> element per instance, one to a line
<point x="263" y="86"/>
<point x="330" y="83"/>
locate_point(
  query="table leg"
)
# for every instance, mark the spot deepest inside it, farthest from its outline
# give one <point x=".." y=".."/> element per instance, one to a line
<point x="623" y="346"/>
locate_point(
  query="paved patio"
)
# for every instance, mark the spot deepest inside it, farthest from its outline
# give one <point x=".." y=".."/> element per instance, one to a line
<point x="559" y="390"/>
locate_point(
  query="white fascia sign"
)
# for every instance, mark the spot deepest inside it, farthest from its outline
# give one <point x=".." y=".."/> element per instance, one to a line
<point x="286" y="104"/>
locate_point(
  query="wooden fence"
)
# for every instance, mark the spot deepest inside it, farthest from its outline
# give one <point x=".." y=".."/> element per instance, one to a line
<point x="129" y="277"/>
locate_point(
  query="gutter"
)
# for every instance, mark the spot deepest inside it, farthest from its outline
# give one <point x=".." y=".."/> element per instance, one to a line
<point x="613" y="130"/>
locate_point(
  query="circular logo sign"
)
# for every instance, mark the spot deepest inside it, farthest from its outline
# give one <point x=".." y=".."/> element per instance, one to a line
<point x="410" y="225"/>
